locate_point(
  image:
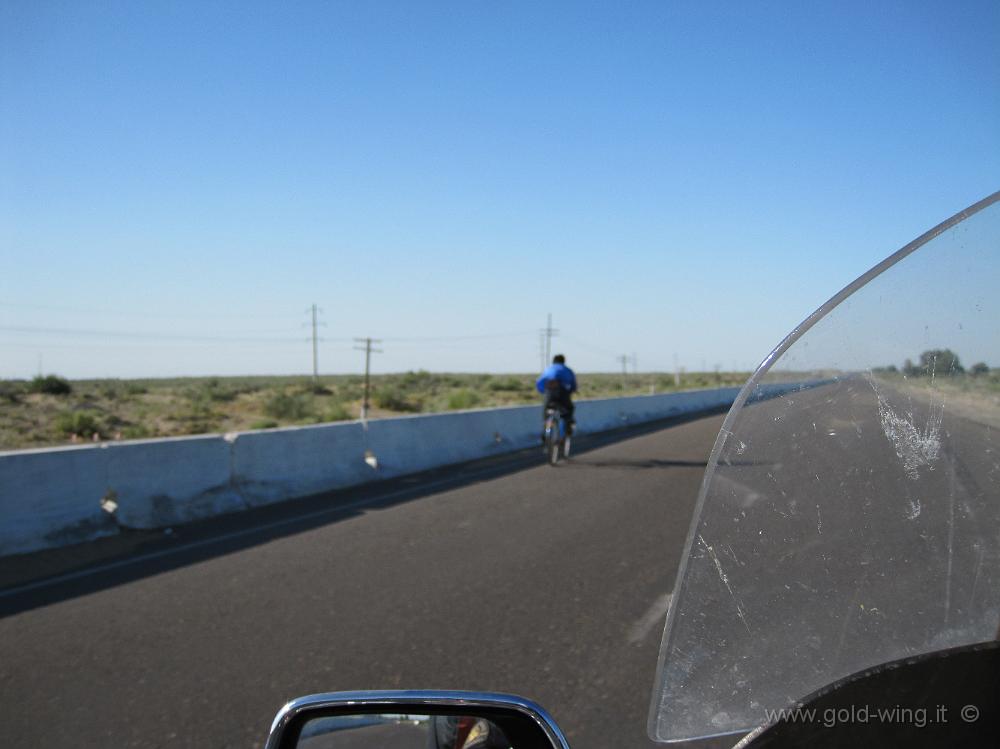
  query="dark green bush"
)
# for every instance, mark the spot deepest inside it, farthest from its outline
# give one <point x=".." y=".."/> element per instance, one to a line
<point x="50" y="385"/>
<point x="315" y="388"/>
<point x="264" y="424"/>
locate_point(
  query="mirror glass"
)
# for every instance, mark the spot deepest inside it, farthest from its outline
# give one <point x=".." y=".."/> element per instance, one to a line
<point x="402" y="731"/>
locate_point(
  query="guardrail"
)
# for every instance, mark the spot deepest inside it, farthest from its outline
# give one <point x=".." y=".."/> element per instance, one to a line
<point x="60" y="496"/>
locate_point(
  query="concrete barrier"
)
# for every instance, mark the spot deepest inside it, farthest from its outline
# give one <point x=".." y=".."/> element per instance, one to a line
<point x="277" y="464"/>
<point x="157" y="483"/>
<point x="417" y="443"/>
<point x="53" y="497"/>
<point x="610" y="413"/>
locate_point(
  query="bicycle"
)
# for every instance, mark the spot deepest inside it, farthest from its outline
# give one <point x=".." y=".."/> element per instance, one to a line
<point x="557" y="437"/>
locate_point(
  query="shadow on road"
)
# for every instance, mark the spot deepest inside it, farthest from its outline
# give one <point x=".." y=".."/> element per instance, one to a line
<point x="639" y="463"/>
<point x="32" y="580"/>
<point x="654" y="463"/>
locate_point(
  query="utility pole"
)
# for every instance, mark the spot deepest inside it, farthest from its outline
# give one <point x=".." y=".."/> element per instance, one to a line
<point x="315" y="350"/>
<point x="367" y="348"/>
<point x="314" y="311"/>
<point x="677" y="372"/>
<point x="548" y="331"/>
<point x="624" y="362"/>
<point x="541" y="350"/>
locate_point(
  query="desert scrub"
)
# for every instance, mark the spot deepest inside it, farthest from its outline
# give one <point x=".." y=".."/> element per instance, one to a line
<point x="666" y="383"/>
<point x="10" y="392"/>
<point x="314" y="388"/>
<point x="81" y="423"/>
<point x="508" y="384"/>
<point x="199" y="409"/>
<point x="416" y="380"/>
<point x="114" y="390"/>
<point x="392" y="400"/>
<point x="462" y="399"/>
<point x="289" y="406"/>
<point x="216" y="392"/>
<point x="338" y="412"/>
<point x="137" y="432"/>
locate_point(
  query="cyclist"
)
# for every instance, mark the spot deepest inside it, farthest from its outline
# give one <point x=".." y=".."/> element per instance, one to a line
<point x="557" y="384"/>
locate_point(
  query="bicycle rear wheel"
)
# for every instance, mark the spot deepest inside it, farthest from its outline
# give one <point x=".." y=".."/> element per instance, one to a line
<point x="552" y="439"/>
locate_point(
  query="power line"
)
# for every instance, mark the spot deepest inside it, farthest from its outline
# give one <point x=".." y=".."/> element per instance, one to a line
<point x="237" y="338"/>
<point x="483" y="336"/>
<point x="129" y="345"/>
<point x="146" y="334"/>
<point x="590" y="346"/>
<point x="130" y="314"/>
<point x="412" y="347"/>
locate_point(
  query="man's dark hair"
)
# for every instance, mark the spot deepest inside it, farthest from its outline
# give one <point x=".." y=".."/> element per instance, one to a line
<point x="558" y="359"/>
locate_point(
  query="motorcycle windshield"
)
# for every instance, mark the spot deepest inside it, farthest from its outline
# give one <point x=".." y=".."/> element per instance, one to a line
<point x="850" y="513"/>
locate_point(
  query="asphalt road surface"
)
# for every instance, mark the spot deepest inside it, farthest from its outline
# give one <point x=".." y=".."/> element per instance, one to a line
<point x="504" y="575"/>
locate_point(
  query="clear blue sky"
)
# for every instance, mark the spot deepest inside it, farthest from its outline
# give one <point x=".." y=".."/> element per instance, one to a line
<point x="179" y="181"/>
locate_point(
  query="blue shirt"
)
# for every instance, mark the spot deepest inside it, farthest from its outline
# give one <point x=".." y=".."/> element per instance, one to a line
<point x="562" y="374"/>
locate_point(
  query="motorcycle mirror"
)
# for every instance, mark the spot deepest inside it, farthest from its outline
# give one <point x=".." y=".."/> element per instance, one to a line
<point x="418" y="719"/>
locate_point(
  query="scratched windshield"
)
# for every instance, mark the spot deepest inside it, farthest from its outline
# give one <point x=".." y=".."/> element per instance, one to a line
<point x="849" y="515"/>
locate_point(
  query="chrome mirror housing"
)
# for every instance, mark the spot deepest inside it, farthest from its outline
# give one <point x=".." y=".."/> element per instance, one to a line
<point x="421" y="719"/>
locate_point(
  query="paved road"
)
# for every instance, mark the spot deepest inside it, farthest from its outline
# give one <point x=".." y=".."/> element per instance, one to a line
<point x="501" y="576"/>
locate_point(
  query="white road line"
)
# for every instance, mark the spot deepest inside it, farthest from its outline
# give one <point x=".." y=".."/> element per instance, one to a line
<point x="648" y="621"/>
<point x="101" y="568"/>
